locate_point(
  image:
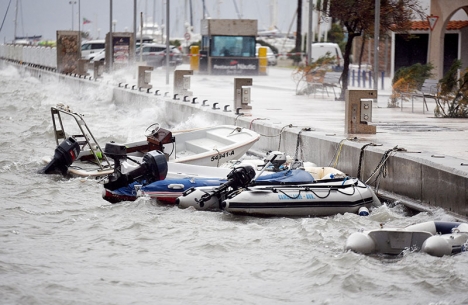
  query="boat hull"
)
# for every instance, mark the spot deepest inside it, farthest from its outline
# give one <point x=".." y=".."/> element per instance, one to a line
<point x="432" y="237"/>
<point x="306" y="200"/>
<point x="324" y="198"/>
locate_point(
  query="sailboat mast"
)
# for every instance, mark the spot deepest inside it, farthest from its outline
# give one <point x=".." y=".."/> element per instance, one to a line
<point x="16" y="20"/>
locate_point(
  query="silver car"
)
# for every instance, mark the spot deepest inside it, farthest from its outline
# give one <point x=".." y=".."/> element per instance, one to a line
<point x="154" y="54"/>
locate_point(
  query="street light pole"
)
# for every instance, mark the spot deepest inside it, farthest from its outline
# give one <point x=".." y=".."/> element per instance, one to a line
<point x="376" y="44"/>
<point x="73" y="13"/>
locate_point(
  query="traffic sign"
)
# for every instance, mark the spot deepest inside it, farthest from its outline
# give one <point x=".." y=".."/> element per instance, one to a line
<point x="187" y="36"/>
<point x="432" y="21"/>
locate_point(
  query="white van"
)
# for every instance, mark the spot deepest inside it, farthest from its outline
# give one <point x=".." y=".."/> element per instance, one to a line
<point x="322" y="48"/>
<point x="92" y="46"/>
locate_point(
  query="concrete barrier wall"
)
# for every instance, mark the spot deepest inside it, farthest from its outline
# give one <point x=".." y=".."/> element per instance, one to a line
<point x="32" y="55"/>
<point x="409" y="177"/>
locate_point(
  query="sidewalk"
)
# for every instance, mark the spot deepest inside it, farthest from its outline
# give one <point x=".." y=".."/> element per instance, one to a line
<point x="274" y="99"/>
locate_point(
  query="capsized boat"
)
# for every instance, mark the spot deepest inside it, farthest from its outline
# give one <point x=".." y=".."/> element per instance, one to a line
<point x="244" y="193"/>
<point x="436" y="238"/>
<point x="81" y="155"/>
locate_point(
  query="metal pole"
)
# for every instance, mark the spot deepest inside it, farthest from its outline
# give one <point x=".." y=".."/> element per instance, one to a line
<point x="167" y="41"/>
<point x="376" y="44"/>
<point x="309" y="33"/>
<point x="134" y="30"/>
<point x="79" y="16"/>
<point x="141" y="37"/>
<point x="111" y="46"/>
<point x="73" y="13"/>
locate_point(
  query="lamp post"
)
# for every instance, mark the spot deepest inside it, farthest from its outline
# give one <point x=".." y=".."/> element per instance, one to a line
<point x="73" y="13"/>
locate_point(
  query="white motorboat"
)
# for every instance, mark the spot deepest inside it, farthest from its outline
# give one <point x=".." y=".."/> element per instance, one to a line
<point x="294" y="193"/>
<point x="210" y="146"/>
<point x="433" y="237"/>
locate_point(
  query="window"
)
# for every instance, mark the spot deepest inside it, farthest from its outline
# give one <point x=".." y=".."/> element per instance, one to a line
<point x="233" y="46"/>
<point x="98" y="46"/>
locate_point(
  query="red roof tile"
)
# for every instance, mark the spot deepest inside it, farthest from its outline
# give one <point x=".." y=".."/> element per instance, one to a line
<point x="452" y="25"/>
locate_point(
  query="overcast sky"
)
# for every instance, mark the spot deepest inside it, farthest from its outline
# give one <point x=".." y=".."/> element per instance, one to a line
<point x="45" y="17"/>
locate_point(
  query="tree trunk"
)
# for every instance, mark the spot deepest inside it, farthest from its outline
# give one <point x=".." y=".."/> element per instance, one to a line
<point x="299" y="28"/>
<point x="345" y="74"/>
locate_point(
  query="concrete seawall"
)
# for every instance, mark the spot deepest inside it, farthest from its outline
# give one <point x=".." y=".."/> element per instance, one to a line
<point x="420" y="180"/>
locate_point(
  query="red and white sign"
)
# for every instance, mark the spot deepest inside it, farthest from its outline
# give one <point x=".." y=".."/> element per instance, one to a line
<point x="432" y="21"/>
<point x="187" y="36"/>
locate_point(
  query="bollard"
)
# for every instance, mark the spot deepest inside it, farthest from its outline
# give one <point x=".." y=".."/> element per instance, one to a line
<point x="204" y="103"/>
<point x="358" y="111"/>
<point x="226" y="108"/>
<point x="156" y="92"/>
<point x="194" y="58"/>
<point x="262" y="61"/>
<point x="144" y="76"/>
<point x="194" y="100"/>
<point x="175" y="97"/>
<point x="214" y="106"/>
<point x="185" y="99"/>
<point x="182" y="82"/>
<point x="242" y="93"/>
<point x="237" y="111"/>
<point x="382" y="79"/>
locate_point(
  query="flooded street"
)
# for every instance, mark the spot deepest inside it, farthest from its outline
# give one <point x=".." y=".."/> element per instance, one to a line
<point x="61" y="243"/>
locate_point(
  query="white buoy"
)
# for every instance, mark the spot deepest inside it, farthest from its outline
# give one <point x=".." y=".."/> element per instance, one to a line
<point x="363" y="211"/>
<point x="436" y="246"/>
<point x="360" y="243"/>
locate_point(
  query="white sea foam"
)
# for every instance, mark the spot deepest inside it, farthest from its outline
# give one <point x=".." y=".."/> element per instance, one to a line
<point x="61" y="243"/>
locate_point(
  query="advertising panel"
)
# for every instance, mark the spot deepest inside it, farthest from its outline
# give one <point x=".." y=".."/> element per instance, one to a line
<point x="68" y="51"/>
<point x="121" y="49"/>
<point x="234" y="66"/>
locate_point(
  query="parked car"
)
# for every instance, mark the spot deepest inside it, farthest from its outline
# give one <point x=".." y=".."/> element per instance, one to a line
<point x="271" y="56"/>
<point x="155" y="55"/>
<point x="97" y="56"/>
<point x="92" y="46"/>
<point x="323" y="49"/>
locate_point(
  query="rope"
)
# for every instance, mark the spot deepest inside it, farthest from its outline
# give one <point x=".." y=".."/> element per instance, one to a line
<point x="219" y="156"/>
<point x="251" y="122"/>
<point x="281" y="132"/>
<point x="381" y="169"/>
<point x="298" y="143"/>
<point x="336" y="156"/>
<point x="4" y="17"/>
<point x="361" y="155"/>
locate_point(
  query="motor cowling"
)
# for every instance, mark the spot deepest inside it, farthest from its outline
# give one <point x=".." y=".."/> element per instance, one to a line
<point x="239" y="177"/>
<point x="64" y="155"/>
<point x="152" y="168"/>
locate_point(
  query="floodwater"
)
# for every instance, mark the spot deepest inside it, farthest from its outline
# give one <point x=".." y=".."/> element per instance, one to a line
<point x="61" y="243"/>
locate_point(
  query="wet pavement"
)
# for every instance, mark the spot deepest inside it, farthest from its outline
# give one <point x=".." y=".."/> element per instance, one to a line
<point x="274" y="99"/>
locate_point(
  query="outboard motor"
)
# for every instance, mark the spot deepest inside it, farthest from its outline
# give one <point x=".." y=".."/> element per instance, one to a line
<point x="64" y="155"/>
<point x="152" y="168"/>
<point x="239" y="177"/>
<point x="276" y="159"/>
